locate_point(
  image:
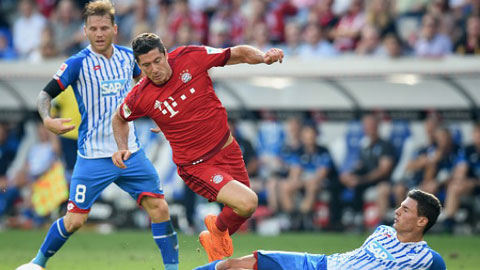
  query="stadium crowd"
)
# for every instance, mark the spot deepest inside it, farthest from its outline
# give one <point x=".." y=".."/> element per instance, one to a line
<point x="42" y="29"/>
<point x="301" y="183"/>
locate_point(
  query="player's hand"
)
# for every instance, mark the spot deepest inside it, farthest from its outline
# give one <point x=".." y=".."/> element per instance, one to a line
<point x="56" y="125"/>
<point x="273" y="55"/>
<point x="119" y="156"/>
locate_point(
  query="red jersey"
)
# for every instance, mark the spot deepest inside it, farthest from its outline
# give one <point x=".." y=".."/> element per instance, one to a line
<point x="185" y="108"/>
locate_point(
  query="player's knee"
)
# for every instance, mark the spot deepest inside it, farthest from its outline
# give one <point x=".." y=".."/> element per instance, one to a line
<point x="249" y="205"/>
<point x="157" y="209"/>
<point x="74" y="222"/>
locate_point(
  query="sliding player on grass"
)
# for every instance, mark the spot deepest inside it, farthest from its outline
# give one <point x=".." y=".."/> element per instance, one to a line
<point x="393" y="248"/>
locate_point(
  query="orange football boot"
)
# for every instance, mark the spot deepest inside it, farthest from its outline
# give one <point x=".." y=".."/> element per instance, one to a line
<point x="221" y="240"/>
<point x="206" y="241"/>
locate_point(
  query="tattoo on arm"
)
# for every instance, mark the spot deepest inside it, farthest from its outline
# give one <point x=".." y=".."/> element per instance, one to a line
<point x="43" y="104"/>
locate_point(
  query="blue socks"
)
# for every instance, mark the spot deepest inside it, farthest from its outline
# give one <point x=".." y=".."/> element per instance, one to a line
<point x="210" y="266"/>
<point x="166" y="239"/>
<point x="56" y="237"/>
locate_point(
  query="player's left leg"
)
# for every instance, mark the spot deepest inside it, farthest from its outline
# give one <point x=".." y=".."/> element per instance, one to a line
<point x="162" y="229"/>
<point x="141" y="181"/>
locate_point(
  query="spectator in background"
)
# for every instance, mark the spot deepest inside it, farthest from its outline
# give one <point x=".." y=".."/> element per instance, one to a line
<point x="441" y="162"/>
<point x="415" y="169"/>
<point x="220" y="35"/>
<point x="162" y="24"/>
<point x="67" y="26"/>
<point x="181" y="14"/>
<point x="6" y="50"/>
<point x="27" y="30"/>
<point x="47" y="48"/>
<point x="473" y="8"/>
<point x="271" y="136"/>
<point x="394" y="47"/>
<point x="289" y="149"/>
<point x="125" y="19"/>
<point x="277" y="17"/>
<point x="257" y="10"/>
<point x="410" y="7"/>
<point x="310" y="170"/>
<point x="322" y="13"/>
<point x="228" y="23"/>
<point x="378" y="15"/>
<point x="315" y="45"/>
<point x="40" y="159"/>
<point x="348" y="29"/>
<point x="8" y="150"/>
<point x="260" y="37"/>
<point x="141" y="22"/>
<point x="470" y="42"/>
<point x="374" y="168"/>
<point x="431" y="42"/>
<point x="293" y="33"/>
<point x="185" y="36"/>
<point x="441" y="9"/>
<point x="46" y="7"/>
<point x="370" y="43"/>
<point x="466" y="179"/>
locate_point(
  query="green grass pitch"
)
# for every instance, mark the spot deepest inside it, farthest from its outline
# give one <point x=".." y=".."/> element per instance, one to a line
<point x="128" y="250"/>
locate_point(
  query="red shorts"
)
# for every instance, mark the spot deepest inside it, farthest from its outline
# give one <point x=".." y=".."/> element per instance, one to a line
<point x="208" y="177"/>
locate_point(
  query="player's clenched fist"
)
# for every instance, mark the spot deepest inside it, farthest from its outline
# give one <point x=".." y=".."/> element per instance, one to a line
<point x="273" y="55"/>
<point x="119" y="156"/>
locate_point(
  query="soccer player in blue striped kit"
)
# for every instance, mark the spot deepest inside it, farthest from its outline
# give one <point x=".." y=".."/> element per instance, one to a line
<point x="398" y="247"/>
<point x="101" y="76"/>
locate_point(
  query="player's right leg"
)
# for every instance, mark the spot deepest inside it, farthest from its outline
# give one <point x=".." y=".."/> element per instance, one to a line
<point x="90" y="177"/>
<point x="224" y="179"/>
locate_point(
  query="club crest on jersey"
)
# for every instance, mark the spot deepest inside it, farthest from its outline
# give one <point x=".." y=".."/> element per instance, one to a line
<point x="111" y="88"/>
<point x="217" y="179"/>
<point x="185" y="76"/>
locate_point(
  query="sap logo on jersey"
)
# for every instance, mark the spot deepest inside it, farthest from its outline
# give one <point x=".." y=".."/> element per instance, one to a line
<point x="376" y="250"/>
<point x="111" y="88"/>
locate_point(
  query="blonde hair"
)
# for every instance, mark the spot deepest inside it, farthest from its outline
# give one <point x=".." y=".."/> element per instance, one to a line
<point x="99" y="8"/>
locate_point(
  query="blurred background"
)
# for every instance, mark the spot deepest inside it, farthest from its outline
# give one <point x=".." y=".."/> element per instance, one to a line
<point x="384" y="90"/>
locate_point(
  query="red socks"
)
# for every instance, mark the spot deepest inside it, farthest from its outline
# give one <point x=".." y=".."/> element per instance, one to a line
<point x="227" y="219"/>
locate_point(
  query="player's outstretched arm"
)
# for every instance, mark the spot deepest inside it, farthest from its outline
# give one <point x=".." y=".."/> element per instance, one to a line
<point x="120" y="132"/>
<point x="55" y="125"/>
<point x="250" y="55"/>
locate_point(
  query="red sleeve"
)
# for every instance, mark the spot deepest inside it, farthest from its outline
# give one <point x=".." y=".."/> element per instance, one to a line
<point x="209" y="57"/>
<point x="130" y="109"/>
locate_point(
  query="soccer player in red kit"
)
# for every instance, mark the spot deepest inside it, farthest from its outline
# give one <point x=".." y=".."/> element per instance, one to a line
<point x="177" y="93"/>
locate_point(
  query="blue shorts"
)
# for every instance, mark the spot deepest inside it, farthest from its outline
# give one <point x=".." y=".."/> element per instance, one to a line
<point x="91" y="176"/>
<point x="279" y="260"/>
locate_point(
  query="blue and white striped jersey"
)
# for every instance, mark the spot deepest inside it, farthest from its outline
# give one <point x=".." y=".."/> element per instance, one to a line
<point x="382" y="250"/>
<point x="100" y="85"/>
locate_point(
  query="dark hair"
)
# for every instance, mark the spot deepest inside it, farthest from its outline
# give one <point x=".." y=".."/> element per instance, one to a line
<point x="427" y="206"/>
<point x="146" y="42"/>
<point x="99" y="8"/>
